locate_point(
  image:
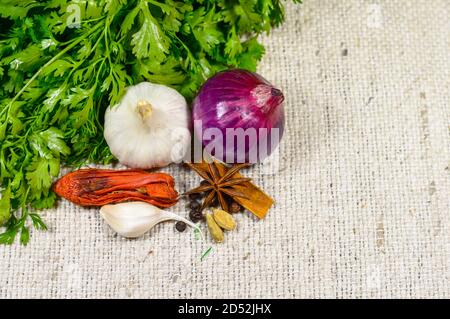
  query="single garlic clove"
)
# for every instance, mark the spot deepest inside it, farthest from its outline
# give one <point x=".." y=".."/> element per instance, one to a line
<point x="134" y="219"/>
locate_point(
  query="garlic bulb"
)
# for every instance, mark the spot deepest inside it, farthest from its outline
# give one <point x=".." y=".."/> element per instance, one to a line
<point x="149" y="127"/>
<point x="134" y="219"/>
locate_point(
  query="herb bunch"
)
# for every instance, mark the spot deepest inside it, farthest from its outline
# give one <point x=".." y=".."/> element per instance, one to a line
<point x="62" y="63"/>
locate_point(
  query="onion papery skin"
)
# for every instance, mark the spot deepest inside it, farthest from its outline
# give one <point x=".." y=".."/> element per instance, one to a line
<point x="239" y="99"/>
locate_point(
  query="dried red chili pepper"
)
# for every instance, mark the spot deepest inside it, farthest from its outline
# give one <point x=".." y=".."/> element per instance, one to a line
<point x="98" y="187"/>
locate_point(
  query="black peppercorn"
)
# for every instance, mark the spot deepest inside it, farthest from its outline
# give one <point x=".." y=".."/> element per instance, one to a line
<point x="195" y="205"/>
<point x="196" y="216"/>
<point x="235" y="208"/>
<point x="195" y="196"/>
<point x="180" y="226"/>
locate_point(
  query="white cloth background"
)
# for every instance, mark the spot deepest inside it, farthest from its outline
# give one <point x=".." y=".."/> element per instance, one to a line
<point x="363" y="190"/>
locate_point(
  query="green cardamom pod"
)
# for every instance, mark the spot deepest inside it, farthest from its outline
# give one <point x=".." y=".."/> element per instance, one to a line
<point x="214" y="229"/>
<point x="223" y="219"/>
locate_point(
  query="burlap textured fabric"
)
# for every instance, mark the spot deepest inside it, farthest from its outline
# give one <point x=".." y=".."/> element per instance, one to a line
<point x="362" y="190"/>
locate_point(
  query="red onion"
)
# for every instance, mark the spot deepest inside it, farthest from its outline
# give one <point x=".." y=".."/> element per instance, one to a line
<point x="239" y="103"/>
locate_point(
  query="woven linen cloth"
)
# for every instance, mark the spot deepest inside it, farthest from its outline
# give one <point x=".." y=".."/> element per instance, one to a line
<point x="362" y="185"/>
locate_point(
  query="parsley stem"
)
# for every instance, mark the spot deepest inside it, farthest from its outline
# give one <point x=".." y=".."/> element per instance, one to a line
<point x="83" y="60"/>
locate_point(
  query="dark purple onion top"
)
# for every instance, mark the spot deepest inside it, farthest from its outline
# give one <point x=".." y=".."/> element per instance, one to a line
<point x="240" y="99"/>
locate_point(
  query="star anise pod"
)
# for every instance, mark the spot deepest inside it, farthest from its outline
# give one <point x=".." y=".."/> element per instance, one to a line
<point x="217" y="186"/>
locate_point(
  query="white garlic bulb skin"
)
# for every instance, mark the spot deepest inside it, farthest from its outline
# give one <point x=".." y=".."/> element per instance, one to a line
<point x="149" y="127"/>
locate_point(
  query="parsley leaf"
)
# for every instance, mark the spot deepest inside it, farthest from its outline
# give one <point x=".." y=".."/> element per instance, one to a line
<point x="5" y="206"/>
<point x="150" y="41"/>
